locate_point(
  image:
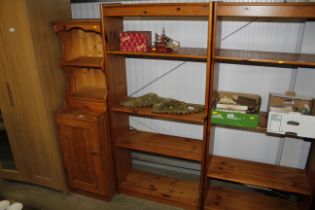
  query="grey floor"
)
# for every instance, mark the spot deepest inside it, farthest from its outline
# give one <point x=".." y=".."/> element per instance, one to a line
<point x="46" y="199"/>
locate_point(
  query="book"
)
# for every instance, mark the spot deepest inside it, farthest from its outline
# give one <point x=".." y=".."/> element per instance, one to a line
<point x="232" y="107"/>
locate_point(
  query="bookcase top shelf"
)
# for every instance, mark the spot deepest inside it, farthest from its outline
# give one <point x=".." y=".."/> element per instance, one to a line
<point x="268" y="10"/>
<point x="156" y="10"/>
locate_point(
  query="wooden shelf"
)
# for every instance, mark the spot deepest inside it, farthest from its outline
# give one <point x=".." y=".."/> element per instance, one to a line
<point x="88" y="61"/>
<point x="220" y="198"/>
<point x="197" y="118"/>
<point x="182" y="193"/>
<point x="156" y="10"/>
<point x="265" y="58"/>
<point x="172" y="146"/>
<point x="268" y="10"/>
<point x="259" y="174"/>
<point x="196" y="54"/>
<point x="262" y="126"/>
<point x="83" y="24"/>
<point x="90" y="94"/>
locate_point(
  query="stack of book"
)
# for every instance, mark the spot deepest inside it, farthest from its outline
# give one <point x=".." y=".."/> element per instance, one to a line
<point x="236" y="103"/>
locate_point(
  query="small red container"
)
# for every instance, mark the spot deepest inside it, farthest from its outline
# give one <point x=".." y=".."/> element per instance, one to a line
<point x="135" y="41"/>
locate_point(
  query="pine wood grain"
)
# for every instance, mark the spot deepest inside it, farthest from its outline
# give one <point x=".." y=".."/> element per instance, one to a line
<point x="36" y="85"/>
<point x="270" y="10"/>
<point x="93" y="94"/>
<point x="182" y="193"/>
<point x="259" y="174"/>
<point x="265" y="58"/>
<point x="172" y="146"/>
<point x="77" y="43"/>
<point x="184" y="53"/>
<point x="156" y="10"/>
<point x="117" y="90"/>
<point x="197" y="118"/>
<point x="220" y="198"/>
<point x="92" y="25"/>
<point x="87" y="61"/>
<point x="86" y="151"/>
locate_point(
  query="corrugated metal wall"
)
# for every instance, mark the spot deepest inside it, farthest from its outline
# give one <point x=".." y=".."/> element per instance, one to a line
<point x="187" y="82"/>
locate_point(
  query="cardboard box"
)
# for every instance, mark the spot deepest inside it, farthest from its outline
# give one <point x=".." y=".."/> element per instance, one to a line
<point x="291" y="123"/>
<point x="135" y="41"/>
<point x="295" y="101"/>
<point x="245" y="120"/>
<point x="233" y="118"/>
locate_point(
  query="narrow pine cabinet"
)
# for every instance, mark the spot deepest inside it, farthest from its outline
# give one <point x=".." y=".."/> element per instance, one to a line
<point x="31" y="89"/>
<point x="82" y="122"/>
<point x="185" y="193"/>
<point x="277" y="178"/>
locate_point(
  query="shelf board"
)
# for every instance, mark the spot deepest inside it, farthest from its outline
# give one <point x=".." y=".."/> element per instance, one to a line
<point x="184" y="53"/>
<point x="220" y="198"/>
<point x="262" y="126"/>
<point x="265" y="58"/>
<point x="172" y="146"/>
<point x="83" y="24"/>
<point x="157" y="10"/>
<point x="182" y="193"/>
<point x="90" y="94"/>
<point x="88" y="61"/>
<point x="259" y="174"/>
<point x="268" y="10"/>
<point x="196" y="118"/>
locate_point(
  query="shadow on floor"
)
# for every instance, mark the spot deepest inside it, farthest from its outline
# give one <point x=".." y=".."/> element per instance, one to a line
<point x="46" y="199"/>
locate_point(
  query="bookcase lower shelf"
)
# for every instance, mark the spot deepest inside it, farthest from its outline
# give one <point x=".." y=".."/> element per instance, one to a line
<point x="161" y="144"/>
<point x="220" y="198"/>
<point x="259" y="174"/>
<point x="173" y="191"/>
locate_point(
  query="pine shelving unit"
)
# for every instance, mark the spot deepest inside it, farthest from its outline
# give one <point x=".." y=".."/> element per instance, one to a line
<point x="170" y="190"/>
<point x="285" y="179"/>
<point x="82" y="121"/>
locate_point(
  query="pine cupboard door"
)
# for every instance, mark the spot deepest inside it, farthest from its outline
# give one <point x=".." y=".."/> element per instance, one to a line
<point x="81" y="137"/>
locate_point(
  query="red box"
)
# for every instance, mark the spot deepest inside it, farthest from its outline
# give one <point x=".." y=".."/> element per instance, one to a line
<point x="135" y="41"/>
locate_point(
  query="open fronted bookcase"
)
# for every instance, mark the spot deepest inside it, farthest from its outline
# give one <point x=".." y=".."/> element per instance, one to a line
<point x="171" y="190"/>
<point x="283" y="179"/>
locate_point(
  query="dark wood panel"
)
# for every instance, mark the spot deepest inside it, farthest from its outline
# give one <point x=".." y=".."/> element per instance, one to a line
<point x="182" y="193"/>
<point x="260" y="57"/>
<point x="220" y="198"/>
<point x="262" y="126"/>
<point x="259" y="174"/>
<point x="150" y="10"/>
<point x="197" y="118"/>
<point x="173" y="146"/>
<point x="198" y="54"/>
<point x="92" y="62"/>
<point x="276" y="10"/>
<point x="91" y="94"/>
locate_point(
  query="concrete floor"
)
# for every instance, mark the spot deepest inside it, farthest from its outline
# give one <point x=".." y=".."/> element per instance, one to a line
<point x="46" y="199"/>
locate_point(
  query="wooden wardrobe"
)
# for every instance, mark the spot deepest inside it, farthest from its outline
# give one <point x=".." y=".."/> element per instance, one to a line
<point x="31" y="88"/>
